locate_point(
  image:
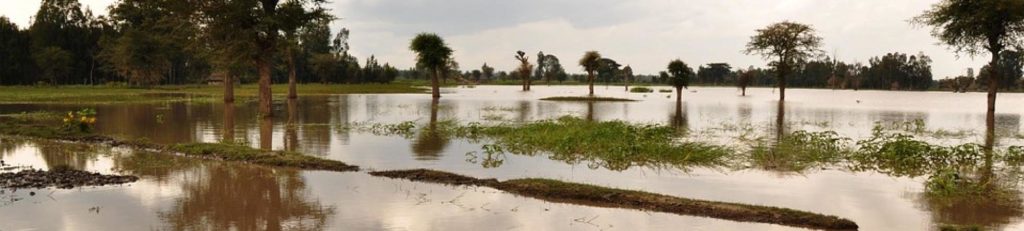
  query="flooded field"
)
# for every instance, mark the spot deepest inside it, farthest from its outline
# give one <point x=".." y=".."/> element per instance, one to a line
<point x="186" y="194"/>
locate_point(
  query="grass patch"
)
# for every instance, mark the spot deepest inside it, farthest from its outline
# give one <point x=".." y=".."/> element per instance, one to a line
<point x="586" y="99"/>
<point x="614" y="145"/>
<point x="592" y="195"/>
<point x="121" y="94"/>
<point x="234" y="152"/>
<point x="665" y="90"/>
<point x="799" y="150"/>
<point x="641" y="90"/>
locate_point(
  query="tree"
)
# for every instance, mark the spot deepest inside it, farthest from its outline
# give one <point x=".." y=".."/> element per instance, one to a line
<point x="627" y="74"/>
<point x="541" y="68"/>
<point x="787" y="43"/>
<point x="251" y="30"/>
<point x="293" y="16"/>
<point x="63" y="24"/>
<point x="525" y="69"/>
<point x="54" y="63"/>
<point x="1009" y="67"/>
<point x="971" y="25"/>
<point x="552" y="68"/>
<point x="743" y="80"/>
<point x="714" y="73"/>
<point x="433" y="54"/>
<point x="679" y="74"/>
<point x="15" y="54"/>
<point x="590" y="62"/>
<point x="140" y="57"/>
<point x="487" y="72"/>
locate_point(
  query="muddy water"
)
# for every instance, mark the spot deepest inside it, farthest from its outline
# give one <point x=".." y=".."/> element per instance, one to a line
<point x="188" y="195"/>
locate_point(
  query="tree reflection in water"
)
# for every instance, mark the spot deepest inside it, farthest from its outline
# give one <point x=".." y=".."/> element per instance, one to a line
<point x="220" y="196"/>
<point x="430" y="142"/>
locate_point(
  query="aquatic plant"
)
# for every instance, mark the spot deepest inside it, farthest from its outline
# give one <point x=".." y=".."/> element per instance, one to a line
<point x="641" y="90"/>
<point x="614" y="145"/>
<point x="81" y="121"/>
<point x="586" y="99"/>
<point x="800" y="150"/>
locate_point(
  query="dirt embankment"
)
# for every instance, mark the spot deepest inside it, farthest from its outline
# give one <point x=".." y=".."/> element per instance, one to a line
<point x="590" y="195"/>
<point x="63" y="178"/>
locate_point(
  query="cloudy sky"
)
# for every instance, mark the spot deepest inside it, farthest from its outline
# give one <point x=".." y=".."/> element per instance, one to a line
<point x="645" y="34"/>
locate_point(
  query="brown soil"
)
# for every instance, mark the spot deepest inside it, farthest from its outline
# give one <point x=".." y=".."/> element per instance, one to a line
<point x="590" y="195"/>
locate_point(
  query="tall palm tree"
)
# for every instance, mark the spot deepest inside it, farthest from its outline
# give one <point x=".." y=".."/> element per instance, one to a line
<point x="590" y="62"/>
<point x="679" y="74"/>
<point x="433" y="54"/>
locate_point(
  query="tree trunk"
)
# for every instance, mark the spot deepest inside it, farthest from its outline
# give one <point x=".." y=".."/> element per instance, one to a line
<point x="292" y="94"/>
<point x="993" y="86"/>
<point x="679" y="95"/>
<point x="265" y="94"/>
<point x="744" y="90"/>
<point x="782" y="82"/>
<point x="590" y="81"/>
<point x="229" y="87"/>
<point x="435" y="87"/>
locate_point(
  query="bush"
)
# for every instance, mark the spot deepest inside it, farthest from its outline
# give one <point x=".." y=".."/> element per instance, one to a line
<point x="641" y="90"/>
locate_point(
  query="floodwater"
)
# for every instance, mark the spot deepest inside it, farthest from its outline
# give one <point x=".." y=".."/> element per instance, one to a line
<point x="182" y="194"/>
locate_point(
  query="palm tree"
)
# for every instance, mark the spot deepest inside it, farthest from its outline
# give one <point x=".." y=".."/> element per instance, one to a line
<point x="590" y="62"/>
<point x="433" y="54"/>
<point x="679" y="77"/>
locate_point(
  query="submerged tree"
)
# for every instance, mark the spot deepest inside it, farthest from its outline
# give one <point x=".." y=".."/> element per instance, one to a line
<point x="590" y="62"/>
<point x="679" y="74"/>
<point x="743" y="80"/>
<point x="433" y="54"/>
<point x="251" y="30"/>
<point x="525" y="69"/>
<point x="787" y="43"/>
<point x="972" y="25"/>
<point x="627" y="75"/>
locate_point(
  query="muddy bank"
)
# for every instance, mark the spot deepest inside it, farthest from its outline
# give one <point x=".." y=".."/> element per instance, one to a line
<point x="62" y="177"/>
<point x="590" y="195"/>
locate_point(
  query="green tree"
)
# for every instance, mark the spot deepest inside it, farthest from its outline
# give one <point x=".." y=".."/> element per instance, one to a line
<point x="590" y="62"/>
<point x="540" y="72"/>
<point x="15" y="54"/>
<point x="970" y="26"/>
<point x="54" y="63"/>
<point x="1009" y="67"/>
<point x="487" y="72"/>
<point x="432" y="54"/>
<point x="627" y="75"/>
<point x="63" y="24"/>
<point x="251" y="29"/>
<point x="743" y="79"/>
<point x="714" y="73"/>
<point x="138" y="56"/>
<point x="786" y="43"/>
<point x="679" y="74"/>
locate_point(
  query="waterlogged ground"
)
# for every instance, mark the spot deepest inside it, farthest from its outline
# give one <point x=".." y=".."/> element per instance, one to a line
<point x="177" y="194"/>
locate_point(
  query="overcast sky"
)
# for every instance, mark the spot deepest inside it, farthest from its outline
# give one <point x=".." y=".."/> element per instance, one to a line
<point x="645" y="34"/>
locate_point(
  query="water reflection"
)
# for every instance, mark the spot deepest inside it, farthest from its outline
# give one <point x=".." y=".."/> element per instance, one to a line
<point x="678" y="119"/>
<point x="228" y="130"/>
<point x="430" y="143"/>
<point x="291" y="136"/>
<point x="234" y="197"/>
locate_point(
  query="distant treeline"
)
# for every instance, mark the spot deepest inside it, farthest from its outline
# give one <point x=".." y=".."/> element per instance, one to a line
<point x="143" y="43"/>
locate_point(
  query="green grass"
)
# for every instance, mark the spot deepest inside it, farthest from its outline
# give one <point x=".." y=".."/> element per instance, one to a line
<point x="586" y="99"/>
<point x="120" y="94"/>
<point x="242" y="153"/>
<point x="615" y="145"/>
<point x="800" y="150"/>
